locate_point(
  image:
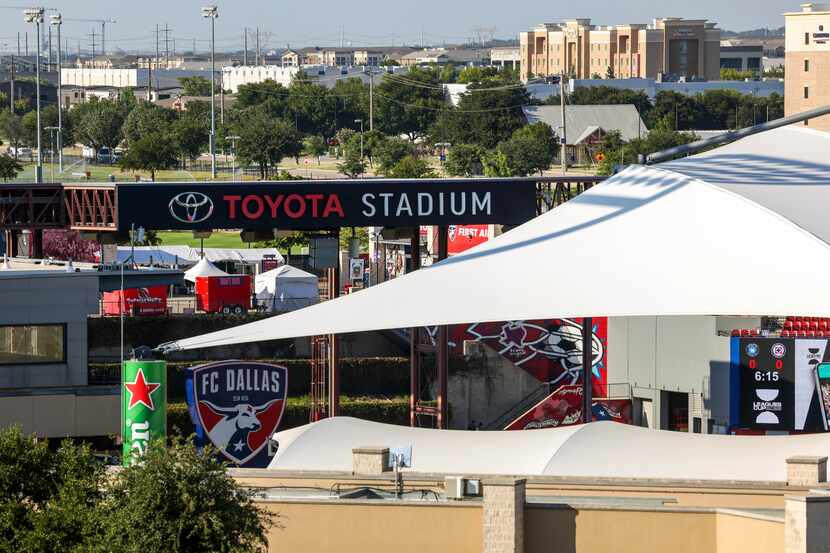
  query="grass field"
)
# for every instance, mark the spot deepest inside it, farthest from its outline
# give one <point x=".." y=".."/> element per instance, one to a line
<point x="216" y="240"/>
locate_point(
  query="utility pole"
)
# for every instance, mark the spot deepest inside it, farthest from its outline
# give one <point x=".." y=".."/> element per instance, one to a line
<point x="157" y="46"/>
<point x="11" y="79"/>
<point x="49" y="53"/>
<point x="57" y="21"/>
<point x="371" y="100"/>
<point x="18" y="44"/>
<point x="26" y="38"/>
<point x="211" y="12"/>
<point x="245" y="46"/>
<point x="341" y="36"/>
<point x="166" y="46"/>
<point x="93" y="47"/>
<point x="35" y="15"/>
<point x="257" y="46"/>
<point x="563" y="138"/>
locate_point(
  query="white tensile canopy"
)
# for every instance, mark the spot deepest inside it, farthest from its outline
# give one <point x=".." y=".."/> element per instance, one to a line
<point x="609" y="449"/>
<point x="203" y="268"/>
<point x="286" y="288"/>
<point x="185" y="255"/>
<point x="647" y="241"/>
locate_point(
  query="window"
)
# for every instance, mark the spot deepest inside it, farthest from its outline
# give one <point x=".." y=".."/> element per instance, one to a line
<point x="806" y="38"/>
<point x="806" y="92"/>
<point x="32" y="344"/>
<point x="806" y="65"/>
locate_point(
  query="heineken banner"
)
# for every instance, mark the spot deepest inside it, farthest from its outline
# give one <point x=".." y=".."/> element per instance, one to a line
<point x="236" y="406"/>
<point x="775" y="381"/>
<point x="143" y="406"/>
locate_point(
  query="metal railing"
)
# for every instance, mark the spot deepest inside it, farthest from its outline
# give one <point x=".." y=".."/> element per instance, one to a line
<point x="520" y="407"/>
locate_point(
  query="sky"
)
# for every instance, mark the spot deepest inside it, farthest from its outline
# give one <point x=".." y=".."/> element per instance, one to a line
<point x="361" y="22"/>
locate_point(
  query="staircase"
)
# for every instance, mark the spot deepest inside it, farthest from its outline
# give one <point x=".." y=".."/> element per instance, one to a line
<point x="527" y="402"/>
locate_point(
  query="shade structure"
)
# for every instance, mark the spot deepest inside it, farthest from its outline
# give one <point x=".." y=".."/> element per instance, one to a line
<point x="606" y="449"/>
<point x="185" y="255"/>
<point x="203" y="268"/>
<point x="647" y="241"/>
<point x="286" y="288"/>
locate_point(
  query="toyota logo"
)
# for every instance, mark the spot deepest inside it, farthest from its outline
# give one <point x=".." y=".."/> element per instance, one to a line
<point x="191" y="207"/>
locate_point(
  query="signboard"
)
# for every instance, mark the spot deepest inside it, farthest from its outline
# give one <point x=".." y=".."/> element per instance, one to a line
<point x="564" y="408"/>
<point x="136" y="301"/>
<point x="550" y="349"/>
<point x="143" y="407"/>
<point x="309" y="205"/>
<point x="236" y="406"/>
<point x="776" y="383"/>
<point x="823" y="385"/>
<point x="461" y="238"/>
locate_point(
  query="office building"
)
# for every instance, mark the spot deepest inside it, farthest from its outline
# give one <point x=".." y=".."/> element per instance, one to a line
<point x="807" y="62"/>
<point x="688" y="48"/>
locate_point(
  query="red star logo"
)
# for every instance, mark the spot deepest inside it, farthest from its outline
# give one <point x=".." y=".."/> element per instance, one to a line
<point x="141" y="391"/>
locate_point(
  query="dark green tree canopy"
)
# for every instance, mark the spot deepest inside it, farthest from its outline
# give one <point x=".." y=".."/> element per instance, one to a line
<point x="98" y="123"/>
<point x="195" y="86"/>
<point x="408" y="103"/>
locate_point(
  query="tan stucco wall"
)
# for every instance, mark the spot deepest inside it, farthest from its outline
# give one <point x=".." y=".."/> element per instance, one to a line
<point x="739" y="533"/>
<point x="352" y="528"/>
<point x="818" y="76"/>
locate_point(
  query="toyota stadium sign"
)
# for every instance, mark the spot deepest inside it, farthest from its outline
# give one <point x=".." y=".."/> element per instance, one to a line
<point x="310" y="205"/>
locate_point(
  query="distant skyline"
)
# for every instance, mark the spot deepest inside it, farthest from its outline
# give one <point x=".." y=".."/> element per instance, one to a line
<point x="366" y="22"/>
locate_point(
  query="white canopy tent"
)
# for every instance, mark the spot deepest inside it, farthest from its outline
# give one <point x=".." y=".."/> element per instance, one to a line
<point x="647" y="241"/>
<point x="201" y="269"/>
<point x="185" y="255"/>
<point x="286" y="288"/>
<point x="609" y="449"/>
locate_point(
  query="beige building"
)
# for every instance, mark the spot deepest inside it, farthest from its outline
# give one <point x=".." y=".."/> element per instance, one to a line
<point x="683" y="47"/>
<point x="807" y="62"/>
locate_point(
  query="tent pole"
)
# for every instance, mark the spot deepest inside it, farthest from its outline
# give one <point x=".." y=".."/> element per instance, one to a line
<point x="587" y="364"/>
<point x="414" y="356"/>
<point x="441" y="344"/>
<point x="334" y="341"/>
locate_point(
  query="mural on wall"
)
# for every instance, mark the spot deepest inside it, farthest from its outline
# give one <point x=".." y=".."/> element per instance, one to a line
<point x="563" y="407"/>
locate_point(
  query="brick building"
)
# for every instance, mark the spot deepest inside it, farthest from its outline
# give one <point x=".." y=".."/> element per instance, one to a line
<point x="682" y="47"/>
<point x="807" y="62"/>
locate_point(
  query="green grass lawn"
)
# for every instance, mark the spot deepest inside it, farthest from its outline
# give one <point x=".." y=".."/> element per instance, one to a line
<point x="216" y="240"/>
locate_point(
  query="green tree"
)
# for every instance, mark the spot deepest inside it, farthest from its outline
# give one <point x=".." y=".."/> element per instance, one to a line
<point x="350" y="101"/>
<point x="191" y="136"/>
<point x="391" y="151"/>
<point x="195" y="86"/>
<point x="496" y="164"/>
<point x="9" y="167"/>
<point x="269" y="94"/>
<point x="97" y="123"/>
<point x="47" y="498"/>
<point x="411" y="167"/>
<point x="730" y="74"/>
<point x="266" y="140"/>
<point x="310" y="106"/>
<point x="315" y="146"/>
<point x="11" y="126"/>
<point x="487" y="113"/>
<point x="531" y="149"/>
<point x="152" y="152"/>
<point x="179" y="500"/>
<point x="408" y="103"/>
<point x="352" y="166"/>
<point x="48" y="118"/>
<point x="147" y="118"/>
<point x="464" y="160"/>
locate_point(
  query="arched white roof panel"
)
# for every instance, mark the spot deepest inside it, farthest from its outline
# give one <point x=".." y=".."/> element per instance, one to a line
<point x="327" y="446"/>
<point x="601" y="449"/>
<point x="786" y="170"/>
<point x="645" y="242"/>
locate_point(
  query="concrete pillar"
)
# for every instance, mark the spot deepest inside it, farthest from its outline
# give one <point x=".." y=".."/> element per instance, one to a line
<point x="806" y="471"/>
<point x="503" y="516"/>
<point x="370" y="460"/>
<point x="807" y="524"/>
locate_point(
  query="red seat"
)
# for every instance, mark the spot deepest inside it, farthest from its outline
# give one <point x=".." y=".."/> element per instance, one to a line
<point x="797" y="326"/>
<point x="788" y="324"/>
<point x="811" y="333"/>
<point x="735" y="332"/>
<point x="790" y="318"/>
<point x="785" y="333"/>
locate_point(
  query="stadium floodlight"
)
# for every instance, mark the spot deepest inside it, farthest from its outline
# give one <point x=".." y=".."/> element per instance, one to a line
<point x="35" y="15"/>
<point x="212" y="13"/>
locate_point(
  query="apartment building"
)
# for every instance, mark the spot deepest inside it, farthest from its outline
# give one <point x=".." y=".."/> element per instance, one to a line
<point x="807" y="62"/>
<point x="687" y="48"/>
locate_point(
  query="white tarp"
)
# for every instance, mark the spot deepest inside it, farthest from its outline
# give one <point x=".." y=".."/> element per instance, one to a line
<point x="286" y="288"/>
<point x="203" y="268"/>
<point x="606" y="449"/>
<point x="185" y="255"/>
<point x="648" y="241"/>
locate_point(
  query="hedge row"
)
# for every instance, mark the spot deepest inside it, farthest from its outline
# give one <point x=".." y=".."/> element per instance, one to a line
<point x="388" y="410"/>
<point x="378" y="376"/>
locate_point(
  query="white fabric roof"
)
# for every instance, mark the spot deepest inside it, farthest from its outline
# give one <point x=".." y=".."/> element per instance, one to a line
<point x="203" y="268"/>
<point x="647" y="241"/>
<point x="606" y="449"/>
<point x="287" y="288"/>
<point x="186" y="255"/>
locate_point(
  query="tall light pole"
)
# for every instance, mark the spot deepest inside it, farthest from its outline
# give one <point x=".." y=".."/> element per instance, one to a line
<point x="233" y="140"/>
<point x="361" y="137"/>
<point x="57" y="21"/>
<point x="35" y="15"/>
<point x="52" y="150"/>
<point x="212" y="12"/>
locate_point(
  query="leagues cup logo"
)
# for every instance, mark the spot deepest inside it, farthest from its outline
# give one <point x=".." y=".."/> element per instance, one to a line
<point x="191" y="207"/>
<point x="238" y="405"/>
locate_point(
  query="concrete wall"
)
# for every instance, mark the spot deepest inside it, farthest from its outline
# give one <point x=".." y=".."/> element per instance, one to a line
<point x="55" y="298"/>
<point x="87" y="412"/>
<point x="674" y="354"/>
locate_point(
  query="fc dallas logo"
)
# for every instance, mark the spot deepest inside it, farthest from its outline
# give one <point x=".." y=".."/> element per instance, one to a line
<point x="141" y="391"/>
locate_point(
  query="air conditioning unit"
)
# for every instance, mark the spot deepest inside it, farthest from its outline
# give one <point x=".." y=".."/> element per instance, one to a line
<point x="458" y="487"/>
